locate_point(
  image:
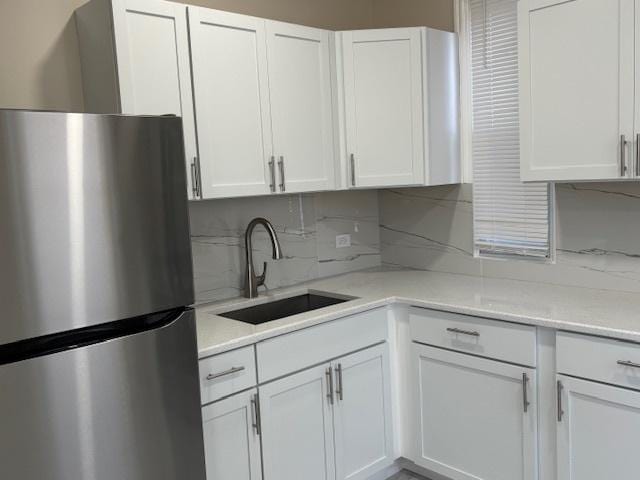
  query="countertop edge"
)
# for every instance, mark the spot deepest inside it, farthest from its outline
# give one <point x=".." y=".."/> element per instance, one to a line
<point x="363" y="305"/>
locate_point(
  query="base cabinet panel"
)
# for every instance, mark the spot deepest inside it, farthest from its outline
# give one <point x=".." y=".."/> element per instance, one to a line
<point x="232" y="444"/>
<point x="362" y="414"/>
<point x="473" y="423"/>
<point x="297" y="433"/>
<point x="599" y="433"/>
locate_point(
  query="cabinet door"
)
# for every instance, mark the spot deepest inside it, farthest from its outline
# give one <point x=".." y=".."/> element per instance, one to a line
<point x="152" y="49"/>
<point x="383" y="106"/>
<point x="297" y="432"/>
<point x="300" y="92"/>
<point x="473" y="423"/>
<point x="599" y="433"/>
<point x="232" y="97"/>
<point x="232" y="444"/>
<point x="362" y="414"/>
<point x="577" y="88"/>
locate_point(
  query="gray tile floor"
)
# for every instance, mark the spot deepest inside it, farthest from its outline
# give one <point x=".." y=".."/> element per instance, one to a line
<point x="404" y="475"/>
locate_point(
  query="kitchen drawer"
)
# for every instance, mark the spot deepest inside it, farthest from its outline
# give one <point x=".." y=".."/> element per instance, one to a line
<point x="227" y="373"/>
<point x="298" y="350"/>
<point x="596" y="358"/>
<point x="505" y="341"/>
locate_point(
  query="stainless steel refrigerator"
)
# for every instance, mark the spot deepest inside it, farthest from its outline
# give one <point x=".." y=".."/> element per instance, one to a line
<point x="98" y="355"/>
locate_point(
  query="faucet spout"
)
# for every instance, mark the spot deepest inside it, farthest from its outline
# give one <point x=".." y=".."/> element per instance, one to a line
<point x="253" y="281"/>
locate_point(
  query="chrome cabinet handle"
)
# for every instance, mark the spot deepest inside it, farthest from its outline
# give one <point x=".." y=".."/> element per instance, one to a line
<point x="471" y="333"/>
<point x="329" y="375"/>
<point x="272" y="173"/>
<point x="628" y="363"/>
<point x="195" y="183"/>
<point x="255" y="414"/>
<point x="353" y="170"/>
<point x="339" y="389"/>
<point x="559" y="388"/>
<point x="231" y="371"/>
<point x="282" y="179"/>
<point x="623" y="155"/>
<point x="525" y="393"/>
<point x="637" y="155"/>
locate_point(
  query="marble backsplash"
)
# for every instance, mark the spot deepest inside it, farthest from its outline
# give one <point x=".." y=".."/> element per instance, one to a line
<point x="597" y="235"/>
<point x="306" y="225"/>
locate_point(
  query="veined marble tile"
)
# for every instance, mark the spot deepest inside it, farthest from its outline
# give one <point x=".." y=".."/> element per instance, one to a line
<point x="349" y="212"/>
<point x="429" y="228"/>
<point x="306" y="227"/>
<point x="597" y="225"/>
<point x="217" y="231"/>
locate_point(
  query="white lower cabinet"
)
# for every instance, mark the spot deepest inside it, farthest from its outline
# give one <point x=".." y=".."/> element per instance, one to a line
<point x="329" y="422"/>
<point x="477" y="417"/>
<point x="297" y="434"/>
<point x="231" y="437"/>
<point x="598" y="431"/>
<point x="362" y="414"/>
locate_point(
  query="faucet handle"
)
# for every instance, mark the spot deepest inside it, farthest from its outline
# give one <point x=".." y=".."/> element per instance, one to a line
<point x="260" y="278"/>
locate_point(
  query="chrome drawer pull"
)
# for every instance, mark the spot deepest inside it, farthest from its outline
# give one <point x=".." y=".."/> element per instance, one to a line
<point x="282" y="179"/>
<point x="272" y="174"/>
<point x="471" y="333"/>
<point x="628" y="363"/>
<point x="329" y="374"/>
<point x="623" y="155"/>
<point x="255" y="413"/>
<point x="339" y="390"/>
<point x="231" y="371"/>
<point x="525" y="393"/>
<point x="559" y="388"/>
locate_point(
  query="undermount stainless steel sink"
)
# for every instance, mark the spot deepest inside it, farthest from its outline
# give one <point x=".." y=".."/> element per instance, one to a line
<point x="286" y="307"/>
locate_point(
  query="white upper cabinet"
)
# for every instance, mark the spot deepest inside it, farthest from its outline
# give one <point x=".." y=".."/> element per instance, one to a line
<point x="271" y="107"/>
<point x="232" y="98"/>
<point x="576" y="89"/>
<point x="398" y="102"/>
<point x="383" y="107"/>
<point x="139" y="64"/>
<point x="301" y="108"/>
<point x="598" y="431"/>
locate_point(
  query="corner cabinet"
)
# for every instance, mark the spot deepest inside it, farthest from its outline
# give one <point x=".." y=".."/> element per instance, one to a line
<point x="577" y="82"/>
<point x="395" y="85"/>
<point x="135" y="61"/>
<point x="477" y="417"/>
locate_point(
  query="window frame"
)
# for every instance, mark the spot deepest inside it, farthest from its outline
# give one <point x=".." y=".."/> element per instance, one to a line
<point x="462" y="26"/>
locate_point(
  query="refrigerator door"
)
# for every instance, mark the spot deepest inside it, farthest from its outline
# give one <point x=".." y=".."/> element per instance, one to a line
<point x="126" y="409"/>
<point x="93" y="220"/>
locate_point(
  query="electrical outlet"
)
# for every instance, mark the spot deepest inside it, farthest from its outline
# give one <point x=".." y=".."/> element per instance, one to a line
<point x="343" y="241"/>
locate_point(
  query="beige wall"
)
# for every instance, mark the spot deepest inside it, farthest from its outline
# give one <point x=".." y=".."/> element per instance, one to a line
<point x="329" y="14"/>
<point x="413" y="13"/>
<point x="39" y="58"/>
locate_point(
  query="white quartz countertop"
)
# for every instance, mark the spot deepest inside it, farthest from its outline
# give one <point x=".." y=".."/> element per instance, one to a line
<point x="599" y="312"/>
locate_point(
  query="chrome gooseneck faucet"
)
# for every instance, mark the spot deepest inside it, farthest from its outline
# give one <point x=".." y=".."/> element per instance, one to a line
<point x="253" y="281"/>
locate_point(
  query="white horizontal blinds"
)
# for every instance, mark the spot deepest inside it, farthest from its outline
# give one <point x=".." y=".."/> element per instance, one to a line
<point x="510" y="217"/>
